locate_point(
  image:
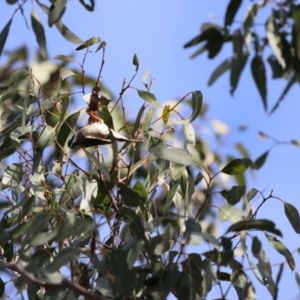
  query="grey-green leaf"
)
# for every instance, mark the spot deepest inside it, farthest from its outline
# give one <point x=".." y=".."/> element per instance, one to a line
<point x="12" y="175"/>
<point x="235" y="194"/>
<point x="176" y="155"/>
<point x="63" y="57"/>
<point x="197" y="98"/>
<point x="57" y="10"/>
<point x="18" y="76"/>
<point x="39" y="32"/>
<point x="136" y="62"/>
<point x="262" y="225"/>
<point x="64" y="30"/>
<point x="220" y="70"/>
<point x="293" y="216"/>
<point x="261" y="160"/>
<point x="291" y="82"/>
<point x="237" y="166"/>
<point x="259" y="75"/>
<point x="148" y="97"/>
<point x="230" y="213"/>
<point x="273" y="36"/>
<point x="88" y="43"/>
<point x="282" y="249"/>
<point x="231" y="11"/>
<point x="3" y="35"/>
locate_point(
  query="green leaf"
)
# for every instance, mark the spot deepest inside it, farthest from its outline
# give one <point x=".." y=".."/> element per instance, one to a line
<point x="88" y="43"/>
<point x="251" y="195"/>
<point x="18" y="76"/>
<point x="261" y="160"/>
<point x="198" y="178"/>
<point x="261" y="225"/>
<point x="197" y="98"/>
<point x="176" y="155"/>
<point x="255" y="270"/>
<point x="176" y="170"/>
<point x="65" y="72"/>
<point x="57" y="10"/>
<point x="238" y="63"/>
<point x="214" y="44"/>
<point x="135" y="249"/>
<point x="39" y="32"/>
<point x="44" y="138"/>
<point x="192" y="226"/>
<point x="62" y="258"/>
<point x="8" y="147"/>
<point x="170" y="196"/>
<point x="231" y="11"/>
<point x="136" y="62"/>
<point x="281" y="248"/>
<point x="235" y="194"/>
<point x="3" y="35"/>
<point x="249" y="20"/>
<point x="277" y="70"/>
<point x="102" y="45"/>
<point x="237" y="166"/>
<point x="62" y="57"/>
<point x="256" y="246"/>
<point x="295" y="78"/>
<point x="12" y="175"/>
<point x="64" y="30"/>
<point x="240" y="283"/>
<point x="27" y="102"/>
<point x="115" y="263"/>
<point x="274" y="39"/>
<point x="99" y="165"/>
<point x="189" y="134"/>
<point x="220" y="70"/>
<point x="65" y="105"/>
<point x="265" y="270"/>
<point x="11" y="2"/>
<point x="209" y="31"/>
<point x="230" y="213"/>
<point x="259" y="75"/>
<point x="139" y="188"/>
<point x="64" y="132"/>
<point x="130" y="197"/>
<point x="134" y="222"/>
<point x="198" y="52"/>
<point x="148" y="97"/>
<point x="148" y="119"/>
<point x="293" y="216"/>
<point x="87" y="6"/>
<point x="27" y="208"/>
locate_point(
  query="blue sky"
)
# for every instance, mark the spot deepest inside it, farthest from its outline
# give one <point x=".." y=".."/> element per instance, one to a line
<point x="156" y="31"/>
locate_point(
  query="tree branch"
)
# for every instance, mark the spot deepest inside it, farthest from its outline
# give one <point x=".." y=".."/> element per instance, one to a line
<point x="64" y="284"/>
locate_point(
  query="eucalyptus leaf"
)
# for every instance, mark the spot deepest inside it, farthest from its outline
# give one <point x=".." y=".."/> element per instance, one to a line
<point x="39" y="32"/>
<point x="262" y="225"/>
<point x="57" y="10"/>
<point x="237" y="166"/>
<point x="176" y="155"/>
<point x="197" y="98"/>
<point x="4" y="34"/>
<point x="282" y="249"/>
<point x="293" y="216"/>
<point x="148" y="97"/>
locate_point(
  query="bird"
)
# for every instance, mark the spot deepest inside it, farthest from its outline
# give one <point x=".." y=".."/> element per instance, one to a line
<point x="94" y="135"/>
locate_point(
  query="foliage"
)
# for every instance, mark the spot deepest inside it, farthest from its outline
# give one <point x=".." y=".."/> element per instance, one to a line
<point x="281" y="34"/>
<point x="132" y="220"/>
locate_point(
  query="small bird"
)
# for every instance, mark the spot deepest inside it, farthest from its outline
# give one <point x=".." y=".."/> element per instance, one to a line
<point x="95" y="134"/>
